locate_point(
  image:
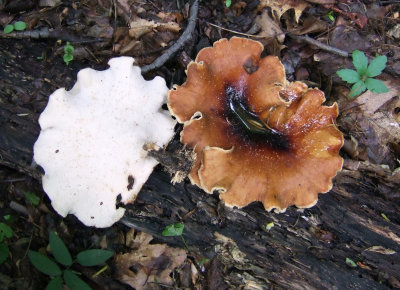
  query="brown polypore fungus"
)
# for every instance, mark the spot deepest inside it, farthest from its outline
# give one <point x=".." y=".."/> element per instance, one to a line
<point x="257" y="137"/>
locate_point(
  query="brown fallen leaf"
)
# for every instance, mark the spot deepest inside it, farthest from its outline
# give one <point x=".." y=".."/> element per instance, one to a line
<point x="140" y="26"/>
<point x="279" y="7"/>
<point x="310" y="24"/>
<point x="269" y="28"/>
<point x="147" y="265"/>
<point x="371" y="119"/>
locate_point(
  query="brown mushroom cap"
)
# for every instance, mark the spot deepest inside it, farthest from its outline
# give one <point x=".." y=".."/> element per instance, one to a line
<point x="256" y="136"/>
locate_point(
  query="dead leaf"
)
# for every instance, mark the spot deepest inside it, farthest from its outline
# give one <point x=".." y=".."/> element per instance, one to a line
<point x="147" y="265"/>
<point x="310" y="24"/>
<point x="381" y="250"/>
<point x="363" y="266"/>
<point x="370" y="102"/>
<point x="371" y="120"/>
<point x="323" y="2"/>
<point x="238" y="8"/>
<point x="140" y="27"/>
<point x="280" y="7"/>
<point x="394" y="31"/>
<point x="269" y="27"/>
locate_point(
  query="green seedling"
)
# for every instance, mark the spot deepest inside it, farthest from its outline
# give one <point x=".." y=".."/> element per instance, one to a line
<point x="5" y="232"/>
<point x="385" y="217"/>
<point x="32" y="198"/>
<point x="350" y="262"/>
<point x="68" y="53"/>
<point x="175" y="230"/>
<point x="62" y="273"/>
<point x="18" y="26"/>
<point x="363" y="77"/>
<point x="228" y="3"/>
<point x="330" y="16"/>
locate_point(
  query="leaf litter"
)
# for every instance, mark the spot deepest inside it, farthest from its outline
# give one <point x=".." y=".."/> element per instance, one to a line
<point x="371" y="121"/>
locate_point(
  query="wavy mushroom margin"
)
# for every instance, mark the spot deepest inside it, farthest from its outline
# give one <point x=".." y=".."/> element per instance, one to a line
<point x="257" y="137"/>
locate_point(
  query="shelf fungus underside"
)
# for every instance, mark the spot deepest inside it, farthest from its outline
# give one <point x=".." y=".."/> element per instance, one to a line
<point x="257" y="137"/>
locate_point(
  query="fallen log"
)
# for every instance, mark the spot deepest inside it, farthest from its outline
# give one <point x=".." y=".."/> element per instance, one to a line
<point x="350" y="239"/>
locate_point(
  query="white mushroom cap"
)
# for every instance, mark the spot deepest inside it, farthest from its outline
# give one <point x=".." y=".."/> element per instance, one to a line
<point x="90" y="146"/>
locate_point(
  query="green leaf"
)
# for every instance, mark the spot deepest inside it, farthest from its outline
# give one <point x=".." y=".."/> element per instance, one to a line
<point x="357" y="89"/>
<point x="68" y="58"/>
<point x="68" y="48"/>
<point x="4" y="251"/>
<point x="348" y="75"/>
<point x="44" y="264"/>
<point x="93" y="257"/>
<point x="173" y="230"/>
<point x="350" y="262"/>
<point x="32" y="198"/>
<point x="385" y="217"/>
<point x="376" y="66"/>
<point x="360" y="62"/>
<point x="5" y="231"/>
<point x="9" y="218"/>
<point x="59" y="250"/>
<point x="74" y="282"/>
<point x="20" y="25"/>
<point x="228" y="3"/>
<point x="55" y="284"/>
<point x="330" y="16"/>
<point x="8" y="29"/>
<point x="376" y="86"/>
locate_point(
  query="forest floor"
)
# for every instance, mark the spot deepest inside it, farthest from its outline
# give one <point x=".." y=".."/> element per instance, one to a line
<point x="313" y="39"/>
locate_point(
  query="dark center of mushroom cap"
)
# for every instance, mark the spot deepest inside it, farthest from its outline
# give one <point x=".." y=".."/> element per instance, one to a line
<point x="248" y="125"/>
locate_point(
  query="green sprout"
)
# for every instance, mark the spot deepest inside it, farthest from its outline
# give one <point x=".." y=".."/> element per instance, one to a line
<point x="330" y="16"/>
<point x="61" y="254"/>
<point x="18" y="26"/>
<point x="32" y="198"/>
<point x="362" y="77"/>
<point x="68" y="53"/>
<point x="228" y="3"/>
<point x="175" y="230"/>
<point x="350" y="262"/>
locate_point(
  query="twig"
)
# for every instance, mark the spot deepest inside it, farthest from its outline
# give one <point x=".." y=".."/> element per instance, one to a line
<point x="19" y="208"/>
<point x="46" y="33"/>
<point x="186" y="35"/>
<point x="319" y="44"/>
<point x="234" y="31"/>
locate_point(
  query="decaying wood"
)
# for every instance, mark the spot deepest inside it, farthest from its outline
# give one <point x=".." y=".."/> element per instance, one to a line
<point x="305" y="249"/>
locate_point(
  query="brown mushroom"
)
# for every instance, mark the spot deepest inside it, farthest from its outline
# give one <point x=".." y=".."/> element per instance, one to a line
<point x="257" y="137"/>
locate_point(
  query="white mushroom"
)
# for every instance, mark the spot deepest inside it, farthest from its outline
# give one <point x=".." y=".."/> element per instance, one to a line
<point x="91" y="139"/>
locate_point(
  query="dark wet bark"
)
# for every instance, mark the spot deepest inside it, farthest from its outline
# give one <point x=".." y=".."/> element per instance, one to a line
<point x="305" y="249"/>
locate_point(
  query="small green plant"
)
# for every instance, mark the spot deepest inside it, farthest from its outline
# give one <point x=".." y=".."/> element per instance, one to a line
<point x="175" y="230"/>
<point x="362" y="77"/>
<point x="330" y="16"/>
<point x="62" y="255"/>
<point x="68" y="53"/>
<point x="350" y="262"/>
<point x="5" y="232"/>
<point x="32" y="198"/>
<point x="228" y="3"/>
<point x="18" y="26"/>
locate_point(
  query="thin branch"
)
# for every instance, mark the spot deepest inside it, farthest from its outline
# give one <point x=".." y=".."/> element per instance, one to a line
<point x="46" y="33"/>
<point x="319" y="44"/>
<point x="186" y="35"/>
<point x="235" y="32"/>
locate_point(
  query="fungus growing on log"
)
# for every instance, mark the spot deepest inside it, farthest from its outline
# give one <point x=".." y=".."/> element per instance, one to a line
<point x="91" y="139"/>
<point x="256" y="136"/>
